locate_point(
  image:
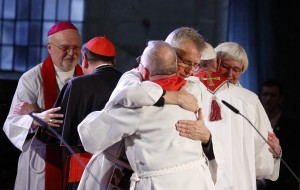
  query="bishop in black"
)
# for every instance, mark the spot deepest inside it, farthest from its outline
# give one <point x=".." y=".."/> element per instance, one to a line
<point x="83" y="95"/>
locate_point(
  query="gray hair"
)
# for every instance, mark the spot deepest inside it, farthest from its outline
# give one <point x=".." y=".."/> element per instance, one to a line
<point x="159" y="58"/>
<point x="183" y="34"/>
<point x="232" y="51"/>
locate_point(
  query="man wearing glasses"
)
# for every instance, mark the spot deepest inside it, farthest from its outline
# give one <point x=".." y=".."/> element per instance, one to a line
<point x="247" y="155"/>
<point x="232" y="61"/>
<point x="37" y="90"/>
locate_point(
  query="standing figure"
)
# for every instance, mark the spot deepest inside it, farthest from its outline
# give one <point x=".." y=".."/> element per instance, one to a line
<point x="83" y="95"/>
<point x="247" y="156"/>
<point x="286" y="129"/>
<point x="40" y="166"/>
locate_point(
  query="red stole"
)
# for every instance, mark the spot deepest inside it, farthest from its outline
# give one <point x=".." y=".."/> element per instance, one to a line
<point x="213" y="81"/>
<point x="170" y="83"/>
<point x="49" y="82"/>
<point x="53" y="159"/>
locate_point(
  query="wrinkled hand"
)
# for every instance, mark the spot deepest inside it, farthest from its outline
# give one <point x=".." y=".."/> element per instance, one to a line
<point x="273" y="141"/>
<point x="50" y="116"/>
<point x="24" y="108"/>
<point x="187" y="101"/>
<point x="195" y="130"/>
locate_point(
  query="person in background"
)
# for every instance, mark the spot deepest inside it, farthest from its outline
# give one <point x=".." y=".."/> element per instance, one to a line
<point x="82" y="95"/>
<point x="152" y="143"/>
<point x="40" y="166"/>
<point x="287" y="130"/>
<point x="232" y="61"/>
<point x="246" y="154"/>
<point x="98" y="62"/>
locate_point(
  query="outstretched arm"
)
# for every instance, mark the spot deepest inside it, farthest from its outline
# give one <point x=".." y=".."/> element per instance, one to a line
<point x="182" y="98"/>
<point x="131" y="92"/>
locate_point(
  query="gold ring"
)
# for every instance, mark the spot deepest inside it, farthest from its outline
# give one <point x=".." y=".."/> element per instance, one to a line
<point x="50" y="120"/>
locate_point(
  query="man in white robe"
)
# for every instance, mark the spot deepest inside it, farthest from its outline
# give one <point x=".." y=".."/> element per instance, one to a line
<point x="247" y="157"/>
<point x="159" y="156"/>
<point x="40" y="86"/>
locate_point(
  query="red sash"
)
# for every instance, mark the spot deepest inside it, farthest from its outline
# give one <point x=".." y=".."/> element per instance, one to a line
<point x="76" y="169"/>
<point x="170" y="83"/>
<point x="49" y="82"/>
<point x="213" y="81"/>
<point x="53" y="160"/>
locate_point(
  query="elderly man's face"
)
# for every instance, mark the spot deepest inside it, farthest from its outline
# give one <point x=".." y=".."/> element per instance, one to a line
<point x="232" y="70"/>
<point x="188" y="58"/>
<point x="64" y="48"/>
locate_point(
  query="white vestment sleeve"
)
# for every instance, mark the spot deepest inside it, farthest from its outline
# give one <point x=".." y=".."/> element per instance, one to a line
<point x="265" y="166"/>
<point x="275" y="174"/>
<point x="101" y="129"/>
<point x="132" y="92"/>
<point x="17" y="127"/>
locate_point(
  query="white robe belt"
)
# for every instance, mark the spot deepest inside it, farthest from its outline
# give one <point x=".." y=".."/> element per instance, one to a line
<point x="137" y="177"/>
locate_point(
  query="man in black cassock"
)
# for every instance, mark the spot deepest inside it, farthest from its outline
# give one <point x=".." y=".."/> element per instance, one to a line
<point x="83" y="95"/>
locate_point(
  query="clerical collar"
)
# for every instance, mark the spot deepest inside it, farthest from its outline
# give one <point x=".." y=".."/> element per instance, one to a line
<point x="62" y="77"/>
<point x="102" y="66"/>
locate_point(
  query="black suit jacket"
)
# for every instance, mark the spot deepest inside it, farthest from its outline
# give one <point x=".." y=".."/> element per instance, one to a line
<point x="287" y="131"/>
<point x="83" y="95"/>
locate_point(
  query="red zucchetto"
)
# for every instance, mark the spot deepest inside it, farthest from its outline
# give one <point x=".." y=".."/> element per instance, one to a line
<point x="60" y="26"/>
<point x="101" y="46"/>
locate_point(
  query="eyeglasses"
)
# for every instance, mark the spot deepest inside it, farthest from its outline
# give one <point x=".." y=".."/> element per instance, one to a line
<point x="235" y="70"/>
<point x="187" y="64"/>
<point x="67" y="48"/>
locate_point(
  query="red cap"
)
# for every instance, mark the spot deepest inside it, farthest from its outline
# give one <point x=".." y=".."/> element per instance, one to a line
<point x="60" y="26"/>
<point x="101" y="46"/>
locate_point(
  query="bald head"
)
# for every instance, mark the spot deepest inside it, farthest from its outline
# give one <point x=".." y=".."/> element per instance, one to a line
<point x="159" y="58"/>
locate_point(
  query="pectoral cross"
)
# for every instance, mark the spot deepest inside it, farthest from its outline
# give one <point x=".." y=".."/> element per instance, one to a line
<point x="210" y="79"/>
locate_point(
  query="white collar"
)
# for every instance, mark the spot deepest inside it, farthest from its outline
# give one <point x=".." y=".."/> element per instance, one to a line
<point x="62" y="77"/>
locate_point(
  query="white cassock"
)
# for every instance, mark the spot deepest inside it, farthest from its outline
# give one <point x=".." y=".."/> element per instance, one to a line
<point x="247" y="157"/>
<point x="131" y="88"/>
<point x="31" y="166"/>
<point x="159" y="156"/>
